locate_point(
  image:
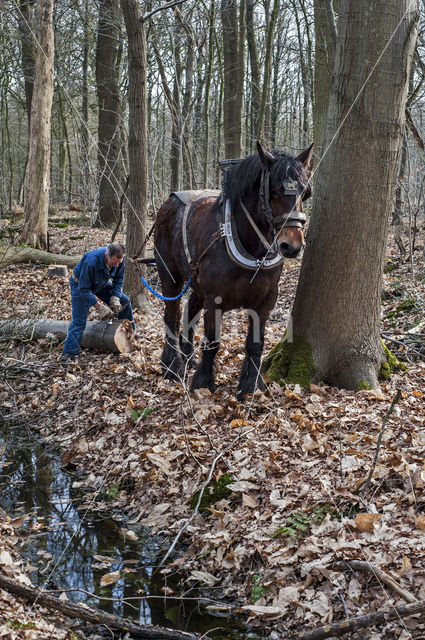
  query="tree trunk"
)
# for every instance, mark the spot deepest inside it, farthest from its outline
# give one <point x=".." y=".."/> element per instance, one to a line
<point x="34" y="231"/>
<point x="97" y="336"/>
<point x="25" y="23"/>
<point x="109" y="133"/>
<point x="28" y="255"/>
<point x="325" y="42"/>
<point x="232" y="103"/>
<point x="137" y="146"/>
<point x="336" y="314"/>
<point x="255" y="132"/>
<point x="209" y="71"/>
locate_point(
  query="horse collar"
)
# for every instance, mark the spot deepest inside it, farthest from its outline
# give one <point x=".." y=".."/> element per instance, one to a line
<point x="236" y="250"/>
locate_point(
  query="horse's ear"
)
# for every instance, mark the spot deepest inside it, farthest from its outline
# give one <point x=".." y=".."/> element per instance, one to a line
<point x="265" y="156"/>
<point x="305" y="156"/>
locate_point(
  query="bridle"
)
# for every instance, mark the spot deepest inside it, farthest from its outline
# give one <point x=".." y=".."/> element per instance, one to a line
<point x="293" y="218"/>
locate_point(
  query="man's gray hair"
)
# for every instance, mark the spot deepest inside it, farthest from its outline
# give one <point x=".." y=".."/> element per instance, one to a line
<point x="115" y="249"/>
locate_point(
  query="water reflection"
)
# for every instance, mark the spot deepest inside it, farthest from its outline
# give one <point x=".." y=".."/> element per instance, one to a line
<point x="69" y="549"/>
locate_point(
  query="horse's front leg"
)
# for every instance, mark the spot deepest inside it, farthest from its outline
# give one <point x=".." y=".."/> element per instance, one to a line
<point x="250" y="376"/>
<point x="204" y="376"/>
<point x="171" y="360"/>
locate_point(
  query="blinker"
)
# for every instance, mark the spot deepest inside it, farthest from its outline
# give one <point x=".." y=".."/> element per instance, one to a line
<point x="290" y="188"/>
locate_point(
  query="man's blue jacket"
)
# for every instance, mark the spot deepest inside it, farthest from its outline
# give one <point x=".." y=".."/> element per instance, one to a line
<point x="93" y="274"/>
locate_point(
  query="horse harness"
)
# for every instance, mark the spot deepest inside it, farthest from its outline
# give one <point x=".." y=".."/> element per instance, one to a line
<point x="228" y="230"/>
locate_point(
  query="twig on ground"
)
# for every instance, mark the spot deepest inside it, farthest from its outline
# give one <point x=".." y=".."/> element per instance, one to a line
<point x="360" y="565"/>
<point x="361" y="622"/>
<point x="364" y="485"/>
<point x="201" y="493"/>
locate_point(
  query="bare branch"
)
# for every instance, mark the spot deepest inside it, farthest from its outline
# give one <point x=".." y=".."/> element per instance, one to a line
<point x="164" y="6"/>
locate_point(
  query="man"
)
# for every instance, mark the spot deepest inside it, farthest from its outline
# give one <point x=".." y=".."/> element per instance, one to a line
<point x="99" y="274"/>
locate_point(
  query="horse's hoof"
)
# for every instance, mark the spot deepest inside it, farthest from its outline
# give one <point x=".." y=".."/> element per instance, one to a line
<point x="202" y="384"/>
<point x="249" y="386"/>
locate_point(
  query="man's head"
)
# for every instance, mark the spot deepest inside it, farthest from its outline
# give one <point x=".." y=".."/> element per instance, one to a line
<point x="114" y="254"/>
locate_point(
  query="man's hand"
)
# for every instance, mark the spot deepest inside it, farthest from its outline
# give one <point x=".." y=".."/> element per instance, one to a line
<point x="105" y="312"/>
<point x="115" y="304"/>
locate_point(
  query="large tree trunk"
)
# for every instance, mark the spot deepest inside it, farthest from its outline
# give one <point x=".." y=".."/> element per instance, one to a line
<point x="336" y="314"/>
<point x="325" y="42"/>
<point x="137" y="146"/>
<point x="109" y="133"/>
<point x="34" y="231"/>
<point x="98" y="336"/>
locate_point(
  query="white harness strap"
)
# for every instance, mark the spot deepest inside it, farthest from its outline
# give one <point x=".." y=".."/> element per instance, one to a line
<point x="188" y="198"/>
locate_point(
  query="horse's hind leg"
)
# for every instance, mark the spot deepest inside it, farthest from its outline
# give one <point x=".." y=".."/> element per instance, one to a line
<point x="250" y="376"/>
<point x="190" y="320"/>
<point x="205" y="373"/>
<point x="171" y="360"/>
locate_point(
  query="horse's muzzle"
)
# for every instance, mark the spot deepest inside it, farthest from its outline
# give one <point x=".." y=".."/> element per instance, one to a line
<point x="291" y="241"/>
<point x="289" y="250"/>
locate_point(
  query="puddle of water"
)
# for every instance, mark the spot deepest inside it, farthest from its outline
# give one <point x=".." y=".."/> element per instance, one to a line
<point x="68" y="549"/>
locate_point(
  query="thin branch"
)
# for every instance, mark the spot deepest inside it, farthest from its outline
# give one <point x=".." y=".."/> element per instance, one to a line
<point x="361" y="622"/>
<point x="360" y="565"/>
<point x="71" y="610"/>
<point x="413" y="129"/>
<point x="165" y="6"/>
<point x="201" y="493"/>
<point x="366" y="482"/>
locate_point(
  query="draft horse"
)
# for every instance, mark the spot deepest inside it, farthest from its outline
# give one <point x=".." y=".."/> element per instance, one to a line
<point x="232" y="244"/>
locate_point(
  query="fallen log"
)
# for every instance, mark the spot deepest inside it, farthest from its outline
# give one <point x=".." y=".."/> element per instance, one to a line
<point x="98" y="336"/>
<point x="17" y="255"/>
<point x="71" y="610"/>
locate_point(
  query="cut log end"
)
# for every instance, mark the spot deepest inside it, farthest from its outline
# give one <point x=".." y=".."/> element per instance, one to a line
<point x="58" y="270"/>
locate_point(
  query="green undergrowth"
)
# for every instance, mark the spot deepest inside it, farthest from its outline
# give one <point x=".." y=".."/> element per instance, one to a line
<point x="299" y="523"/>
<point x="258" y="590"/>
<point x="291" y="362"/>
<point x="215" y="491"/>
<point x="390" y="364"/>
<point x="362" y="385"/>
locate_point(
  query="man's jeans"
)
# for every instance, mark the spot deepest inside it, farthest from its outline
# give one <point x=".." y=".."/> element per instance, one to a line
<point x="80" y="311"/>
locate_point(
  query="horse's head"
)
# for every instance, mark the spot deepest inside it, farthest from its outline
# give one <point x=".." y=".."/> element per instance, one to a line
<point x="284" y="187"/>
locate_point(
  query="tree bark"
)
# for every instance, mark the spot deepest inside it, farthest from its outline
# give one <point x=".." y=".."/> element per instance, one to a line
<point x="337" y="306"/>
<point x="137" y="147"/>
<point x="325" y="42"/>
<point x="97" y="336"/>
<point x="28" y="255"/>
<point x="109" y="132"/>
<point x="34" y="231"/>
<point x="255" y="132"/>
<point x="72" y="610"/>
<point x="25" y="22"/>
<point x="232" y="99"/>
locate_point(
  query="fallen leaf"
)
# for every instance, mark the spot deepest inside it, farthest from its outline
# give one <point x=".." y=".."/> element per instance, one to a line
<point x="204" y="576"/>
<point x="366" y="521"/>
<point x="110" y="578"/>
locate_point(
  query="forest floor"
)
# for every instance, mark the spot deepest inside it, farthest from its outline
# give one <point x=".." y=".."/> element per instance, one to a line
<point x="293" y="458"/>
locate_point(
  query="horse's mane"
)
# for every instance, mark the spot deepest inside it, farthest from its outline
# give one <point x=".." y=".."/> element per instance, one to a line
<point x="244" y="177"/>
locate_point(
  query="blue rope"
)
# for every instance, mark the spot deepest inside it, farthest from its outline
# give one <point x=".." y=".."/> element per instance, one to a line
<point x="161" y="297"/>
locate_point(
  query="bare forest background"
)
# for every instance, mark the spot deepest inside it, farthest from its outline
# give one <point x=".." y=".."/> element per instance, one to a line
<point x="219" y="75"/>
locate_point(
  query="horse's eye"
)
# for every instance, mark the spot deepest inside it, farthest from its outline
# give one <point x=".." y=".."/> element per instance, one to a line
<point x="274" y="193"/>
